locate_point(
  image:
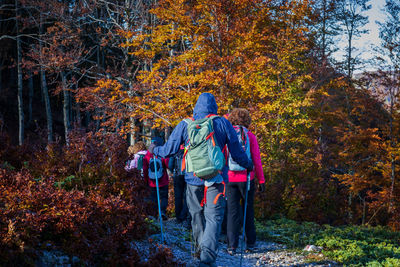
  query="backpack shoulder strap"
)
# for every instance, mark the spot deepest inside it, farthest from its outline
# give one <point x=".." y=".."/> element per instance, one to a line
<point x="212" y="116"/>
<point x="243" y="132"/>
<point x="188" y="120"/>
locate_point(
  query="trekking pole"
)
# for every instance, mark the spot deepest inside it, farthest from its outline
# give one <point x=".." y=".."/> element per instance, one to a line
<point x="244" y="216"/>
<point x="158" y="200"/>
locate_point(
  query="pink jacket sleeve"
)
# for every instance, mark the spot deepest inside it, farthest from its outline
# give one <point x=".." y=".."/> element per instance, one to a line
<point x="129" y="165"/>
<point x="255" y="155"/>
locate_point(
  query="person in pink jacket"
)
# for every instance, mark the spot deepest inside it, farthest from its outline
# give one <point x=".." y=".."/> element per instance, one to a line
<point x="236" y="187"/>
<point x="136" y="154"/>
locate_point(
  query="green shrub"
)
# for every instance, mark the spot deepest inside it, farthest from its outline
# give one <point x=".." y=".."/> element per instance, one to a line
<point x="349" y="245"/>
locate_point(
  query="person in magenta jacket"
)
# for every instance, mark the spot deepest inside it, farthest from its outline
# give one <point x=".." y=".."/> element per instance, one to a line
<point x="162" y="182"/>
<point x="236" y="188"/>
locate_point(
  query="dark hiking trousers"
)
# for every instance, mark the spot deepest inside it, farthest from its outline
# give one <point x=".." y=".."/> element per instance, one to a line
<point x="235" y="191"/>
<point x="181" y="211"/>
<point x="224" y="221"/>
<point x="163" y="198"/>
<point x="206" y="220"/>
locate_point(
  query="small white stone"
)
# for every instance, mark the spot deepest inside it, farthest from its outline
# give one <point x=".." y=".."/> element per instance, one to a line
<point x="312" y="248"/>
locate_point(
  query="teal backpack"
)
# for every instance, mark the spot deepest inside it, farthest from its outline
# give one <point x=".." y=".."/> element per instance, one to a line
<point x="140" y="162"/>
<point x="203" y="156"/>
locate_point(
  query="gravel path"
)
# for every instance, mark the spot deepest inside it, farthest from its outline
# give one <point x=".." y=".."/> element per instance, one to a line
<point x="177" y="237"/>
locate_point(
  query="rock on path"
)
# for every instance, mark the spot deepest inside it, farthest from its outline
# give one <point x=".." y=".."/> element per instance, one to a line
<point x="177" y="237"/>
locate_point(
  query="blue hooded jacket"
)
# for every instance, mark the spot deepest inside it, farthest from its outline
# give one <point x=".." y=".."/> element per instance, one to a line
<point x="224" y="135"/>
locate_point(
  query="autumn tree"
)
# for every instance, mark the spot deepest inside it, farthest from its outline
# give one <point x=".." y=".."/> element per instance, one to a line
<point x="113" y="61"/>
<point x="326" y="28"/>
<point x="385" y="83"/>
<point x="351" y="15"/>
<point x="329" y="143"/>
<point x="35" y="17"/>
<point x="10" y="17"/>
<point x="249" y="54"/>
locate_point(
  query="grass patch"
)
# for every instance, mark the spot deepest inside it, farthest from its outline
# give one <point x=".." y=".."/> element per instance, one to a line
<point x="349" y="245"/>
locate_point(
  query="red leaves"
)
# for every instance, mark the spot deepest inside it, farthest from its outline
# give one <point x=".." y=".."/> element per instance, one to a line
<point x="39" y="208"/>
<point x="95" y="219"/>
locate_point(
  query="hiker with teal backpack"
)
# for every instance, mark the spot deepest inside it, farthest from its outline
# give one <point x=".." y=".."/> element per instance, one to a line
<point x="204" y="136"/>
<point x="155" y="172"/>
<point x="238" y="187"/>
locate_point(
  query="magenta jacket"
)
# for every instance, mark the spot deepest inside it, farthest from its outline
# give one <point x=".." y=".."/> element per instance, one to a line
<point x="240" y="176"/>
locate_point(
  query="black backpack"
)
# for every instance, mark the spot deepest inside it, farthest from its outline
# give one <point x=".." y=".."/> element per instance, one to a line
<point x="158" y="171"/>
<point x="178" y="165"/>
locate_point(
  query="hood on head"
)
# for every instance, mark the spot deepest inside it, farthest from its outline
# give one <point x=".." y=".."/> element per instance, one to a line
<point x="205" y="105"/>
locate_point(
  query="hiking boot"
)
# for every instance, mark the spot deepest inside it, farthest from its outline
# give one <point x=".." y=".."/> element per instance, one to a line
<point x="251" y="249"/>
<point x="195" y="251"/>
<point x="196" y="254"/>
<point x="231" y="251"/>
<point x="223" y="238"/>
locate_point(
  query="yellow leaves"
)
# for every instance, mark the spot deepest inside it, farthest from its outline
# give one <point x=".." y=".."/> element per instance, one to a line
<point x="125" y="101"/>
<point x="238" y="50"/>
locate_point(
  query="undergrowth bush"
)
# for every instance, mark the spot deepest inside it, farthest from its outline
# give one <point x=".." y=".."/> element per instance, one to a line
<point x="38" y="215"/>
<point x="77" y="199"/>
<point x="89" y="160"/>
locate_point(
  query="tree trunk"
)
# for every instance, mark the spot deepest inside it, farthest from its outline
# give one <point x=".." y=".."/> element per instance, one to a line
<point x="45" y="91"/>
<point x="20" y="86"/>
<point x="2" y="60"/>
<point x="393" y="176"/>
<point x="392" y="145"/>
<point x="350" y="211"/>
<point x="132" y="134"/>
<point x="78" y="115"/>
<point x="324" y="31"/>
<point x="46" y="97"/>
<point x="74" y="109"/>
<point x="87" y="118"/>
<point x="1" y="75"/>
<point x="349" y="72"/>
<point x="66" y="107"/>
<point x="30" y="86"/>
<point x="364" y="205"/>
<point x="98" y="120"/>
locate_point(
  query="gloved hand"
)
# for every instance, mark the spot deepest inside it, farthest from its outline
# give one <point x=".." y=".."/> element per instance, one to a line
<point x="261" y="187"/>
<point x="151" y="148"/>
<point x="250" y="167"/>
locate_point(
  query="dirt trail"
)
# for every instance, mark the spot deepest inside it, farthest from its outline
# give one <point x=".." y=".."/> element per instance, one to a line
<point x="177" y="237"/>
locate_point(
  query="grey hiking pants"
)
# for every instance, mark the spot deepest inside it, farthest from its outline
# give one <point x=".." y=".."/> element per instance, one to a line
<point x="206" y="220"/>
